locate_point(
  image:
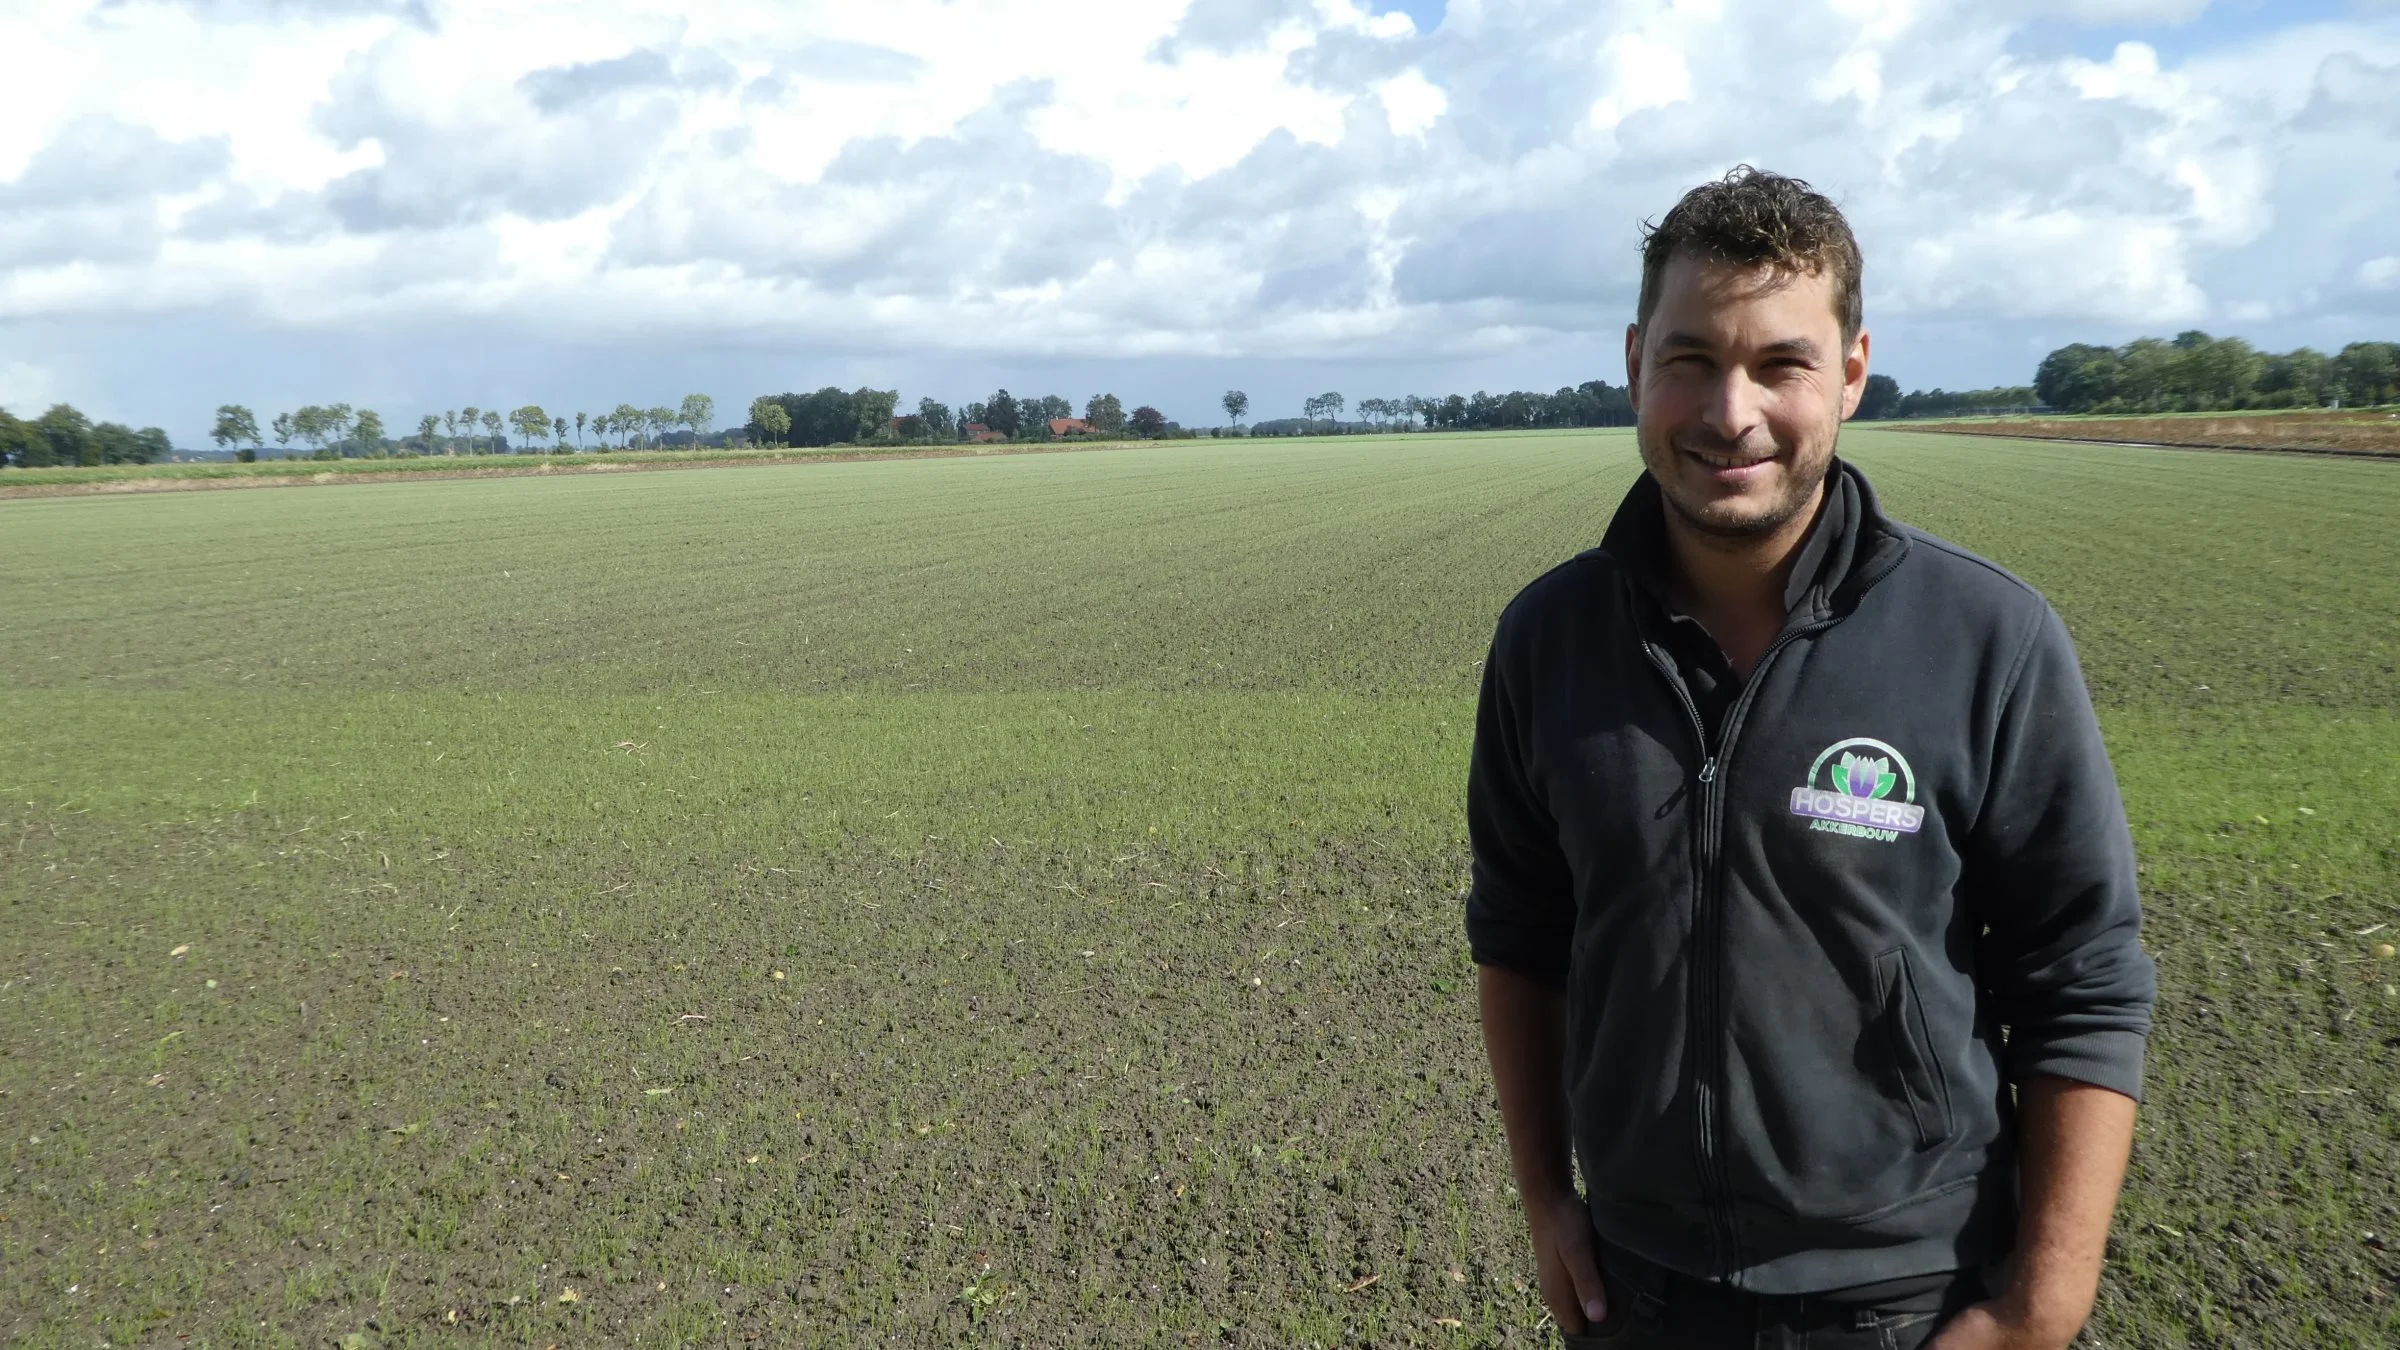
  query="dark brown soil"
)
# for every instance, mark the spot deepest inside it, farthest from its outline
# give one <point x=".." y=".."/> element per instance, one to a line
<point x="2346" y="433"/>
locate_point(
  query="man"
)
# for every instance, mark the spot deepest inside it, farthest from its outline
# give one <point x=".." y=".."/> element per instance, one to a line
<point x="1803" y="899"/>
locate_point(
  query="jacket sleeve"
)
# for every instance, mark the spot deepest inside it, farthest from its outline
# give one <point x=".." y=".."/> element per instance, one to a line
<point x="2051" y="870"/>
<point x="1521" y="906"/>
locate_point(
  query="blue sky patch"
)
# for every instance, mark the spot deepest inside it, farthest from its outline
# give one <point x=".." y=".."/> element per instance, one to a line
<point x="2223" y="25"/>
<point x="1427" y="14"/>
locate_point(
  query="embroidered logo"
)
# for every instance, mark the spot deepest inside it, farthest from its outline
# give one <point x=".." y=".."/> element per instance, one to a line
<point x="1850" y="791"/>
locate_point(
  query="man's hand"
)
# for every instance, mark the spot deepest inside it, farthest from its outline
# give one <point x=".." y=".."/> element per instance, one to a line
<point x="1562" y="1251"/>
<point x="2002" y="1324"/>
<point x="1524" y="1023"/>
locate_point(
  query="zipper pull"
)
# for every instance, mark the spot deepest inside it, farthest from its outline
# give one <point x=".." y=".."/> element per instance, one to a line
<point x="1708" y="770"/>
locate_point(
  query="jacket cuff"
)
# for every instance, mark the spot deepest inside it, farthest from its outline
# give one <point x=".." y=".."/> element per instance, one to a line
<point x="1528" y="949"/>
<point x="2110" y="1058"/>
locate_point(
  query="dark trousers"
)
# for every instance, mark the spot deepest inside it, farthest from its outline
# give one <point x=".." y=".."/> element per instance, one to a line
<point x="1650" y="1308"/>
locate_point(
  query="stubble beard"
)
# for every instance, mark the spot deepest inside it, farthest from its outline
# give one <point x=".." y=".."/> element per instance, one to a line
<point x="1801" y="480"/>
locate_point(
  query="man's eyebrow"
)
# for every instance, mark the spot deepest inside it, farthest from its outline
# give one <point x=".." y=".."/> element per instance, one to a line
<point x="1805" y="348"/>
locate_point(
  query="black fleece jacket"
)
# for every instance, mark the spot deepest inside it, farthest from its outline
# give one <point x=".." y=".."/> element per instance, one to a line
<point x="1806" y="951"/>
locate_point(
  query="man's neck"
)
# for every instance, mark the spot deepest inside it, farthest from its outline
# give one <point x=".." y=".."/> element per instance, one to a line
<point x="1735" y="586"/>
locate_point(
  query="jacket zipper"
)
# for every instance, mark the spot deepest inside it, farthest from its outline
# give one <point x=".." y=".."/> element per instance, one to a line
<point x="1710" y="962"/>
<point x="1708" y="946"/>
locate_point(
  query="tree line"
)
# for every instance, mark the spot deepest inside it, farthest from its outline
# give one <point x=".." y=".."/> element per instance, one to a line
<point x="2195" y="372"/>
<point x="65" y="436"/>
<point x="1594" y="403"/>
<point x="1883" y="399"/>
<point x="833" y="416"/>
<point x="337" y="431"/>
<point x="2191" y="372"/>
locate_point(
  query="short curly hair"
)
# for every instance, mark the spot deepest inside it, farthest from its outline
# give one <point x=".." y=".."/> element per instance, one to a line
<point x="1750" y="218"/>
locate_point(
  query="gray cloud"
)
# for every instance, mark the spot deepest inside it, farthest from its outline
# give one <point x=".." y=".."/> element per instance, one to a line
<point x="101" y="159"/>
<point x="2352" y="93"/>
<point x="557" y="89"/>
<point x="440" y="174"/>
<point x="851" y="63"/>
<point x="932" y="205"/>
<point x="115" y="232"/>
<point x="1226" y="26"/>
<point x="560" y="87"/>
<point x="238" y="213"/>
<point x="832" y="62"/>
<point x="91" y="195"/>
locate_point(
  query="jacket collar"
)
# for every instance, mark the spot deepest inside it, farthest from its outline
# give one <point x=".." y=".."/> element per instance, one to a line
<point x="1853" y="545"/>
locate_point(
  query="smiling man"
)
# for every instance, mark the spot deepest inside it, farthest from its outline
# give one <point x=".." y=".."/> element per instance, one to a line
<point x="1803" y="900"/>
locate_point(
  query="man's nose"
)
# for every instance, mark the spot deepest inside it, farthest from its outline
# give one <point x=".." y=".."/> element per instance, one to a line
<point x="1733" y="405"/>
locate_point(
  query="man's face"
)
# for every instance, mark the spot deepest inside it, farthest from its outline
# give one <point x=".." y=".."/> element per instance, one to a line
<point x="1741" y="381"/>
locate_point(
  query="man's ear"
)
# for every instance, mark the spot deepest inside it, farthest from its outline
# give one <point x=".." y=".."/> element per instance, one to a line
<point x="1633" y="367"/>
<point x="1854" y="373"/>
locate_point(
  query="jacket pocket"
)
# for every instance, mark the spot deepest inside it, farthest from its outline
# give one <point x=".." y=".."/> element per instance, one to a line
<point x="1919" y="1071"/>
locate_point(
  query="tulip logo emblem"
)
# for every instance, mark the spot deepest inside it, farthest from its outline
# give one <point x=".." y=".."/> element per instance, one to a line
<point x="1850" y="792"/>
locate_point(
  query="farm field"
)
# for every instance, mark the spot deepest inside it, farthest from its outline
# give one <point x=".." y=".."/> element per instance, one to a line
<point x="2364" y="431"/>
<point x="1016" y="899"/>
<point x="78" y="480"/>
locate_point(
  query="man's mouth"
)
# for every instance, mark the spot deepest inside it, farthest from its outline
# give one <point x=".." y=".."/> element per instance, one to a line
<point x="1732" y="464"/>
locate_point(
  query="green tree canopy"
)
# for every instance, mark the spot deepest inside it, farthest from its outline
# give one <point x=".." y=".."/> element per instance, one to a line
<point x="770" y="424"/>
<point x="874" y="413"/>
<point x="2196" y="372"/>
<point x="234" y="426"/>
<point x="67" y="436"/>
<point x="17" y="440"/>
<point x="531" y="421"/>
<point x="936" y="421"/>
<point x="1881" y="399"/>
<point x="821" y="418"/>
<point x="1001" y="415"/>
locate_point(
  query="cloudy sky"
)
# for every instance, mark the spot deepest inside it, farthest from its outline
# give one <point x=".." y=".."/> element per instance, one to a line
<point x="418" y="204"/>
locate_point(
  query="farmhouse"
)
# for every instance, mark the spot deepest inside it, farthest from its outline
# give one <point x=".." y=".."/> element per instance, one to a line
<point x="979" y="433"/>
<point x="1071" y="426"/>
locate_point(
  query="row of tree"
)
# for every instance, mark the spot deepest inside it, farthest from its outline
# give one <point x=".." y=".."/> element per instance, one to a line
<point x="337" y="431"/>
<point x="832" y="416"/>
<point x="1883" y="399"/>
<point x="1594" y="403"/>
<point x="2191" y="372"/>
<point x="64" y="435"/>
<point x="2198" y="373"/>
